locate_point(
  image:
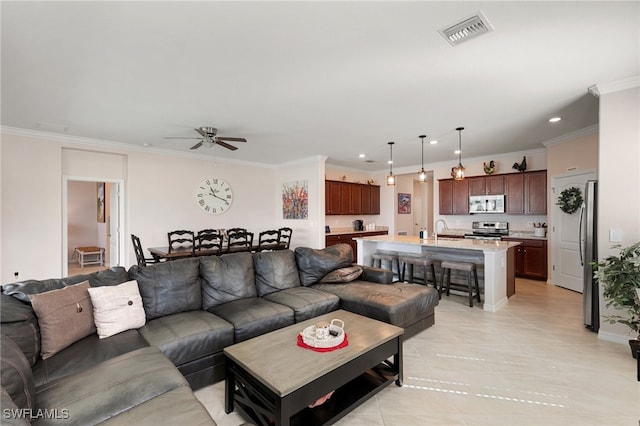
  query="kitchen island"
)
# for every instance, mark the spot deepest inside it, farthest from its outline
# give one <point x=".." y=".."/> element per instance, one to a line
<point x="495" y="259"/>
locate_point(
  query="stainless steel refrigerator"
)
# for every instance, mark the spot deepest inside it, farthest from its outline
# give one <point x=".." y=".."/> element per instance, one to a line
<point x="589" y="253"/>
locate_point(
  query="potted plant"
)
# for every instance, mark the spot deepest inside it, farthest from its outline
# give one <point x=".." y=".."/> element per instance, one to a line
<point x="619" y="277"/>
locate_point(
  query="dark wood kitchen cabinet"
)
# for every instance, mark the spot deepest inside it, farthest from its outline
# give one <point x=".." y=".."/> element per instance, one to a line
<point x="332" y="197"/>
<point x="334" y="239"/>
<point x="486" y="185"/>
<point x="370" y="199"/>
<point x="454" y="196"/>
<point x="530" y="258"/>
<point x="535" y="191"/>
<point x="348" y="198"/>
<point x="526" y="193"/>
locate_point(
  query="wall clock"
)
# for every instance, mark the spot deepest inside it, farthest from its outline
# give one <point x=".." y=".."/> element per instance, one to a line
<point x="214" y="196"/>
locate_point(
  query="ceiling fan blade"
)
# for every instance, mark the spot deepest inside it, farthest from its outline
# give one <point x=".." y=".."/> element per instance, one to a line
<point x="196" y="146"/>
<point x="176" y="137"/>
<point x="201" y="132"/>
<point x="223" y="138"/>
<point x="226" y="145"/>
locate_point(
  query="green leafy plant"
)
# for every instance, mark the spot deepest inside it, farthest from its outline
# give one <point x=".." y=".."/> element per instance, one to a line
<point x="619" y="277"/>
<point x="570" y="200"/>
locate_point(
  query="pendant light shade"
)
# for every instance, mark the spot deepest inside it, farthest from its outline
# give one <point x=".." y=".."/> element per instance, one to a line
<point x="391" y="179"/>
<point x="422" y="176"/>
<point x="458" y="172"/>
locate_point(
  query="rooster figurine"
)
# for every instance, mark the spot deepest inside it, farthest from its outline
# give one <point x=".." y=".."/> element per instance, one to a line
<point x="489" y="169"/>
<point x="522" y="166"/>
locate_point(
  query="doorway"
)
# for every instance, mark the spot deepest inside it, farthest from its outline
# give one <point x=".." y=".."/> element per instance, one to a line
<point x="92" y="216"/>
<point x="567" y="269"/>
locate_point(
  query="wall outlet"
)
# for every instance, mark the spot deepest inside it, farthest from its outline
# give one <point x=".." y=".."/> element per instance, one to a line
<point x="16" y="275"/>
<point x="615" y="235"/>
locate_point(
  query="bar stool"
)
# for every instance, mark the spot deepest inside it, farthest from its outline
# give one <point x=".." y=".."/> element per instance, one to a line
<point x="423" y="262"/>
<point x="377" y="260"/>
<point x="472" y="274"/>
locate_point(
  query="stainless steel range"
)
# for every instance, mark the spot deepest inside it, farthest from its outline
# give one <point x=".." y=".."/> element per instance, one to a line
<point x="488" y="231"/>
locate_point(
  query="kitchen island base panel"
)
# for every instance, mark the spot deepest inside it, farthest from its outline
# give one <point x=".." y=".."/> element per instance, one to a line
<point x="490" y="256"/>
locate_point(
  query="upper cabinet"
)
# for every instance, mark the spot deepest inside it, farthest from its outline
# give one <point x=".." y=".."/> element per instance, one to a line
<point x="525" y="193"/>
<point x="486" y="185"/>
<point x="347" y="198"/>
<point x="454" y="196"/>
<point x="535" y="192"/>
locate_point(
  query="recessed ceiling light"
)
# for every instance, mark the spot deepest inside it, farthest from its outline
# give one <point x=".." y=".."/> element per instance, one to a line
<point x="433" y="142"/>
<point x="457" y="151"/>
<point x="390" y="162"/>
<point x="554" y="119"/>
<point x="361" y="156"/>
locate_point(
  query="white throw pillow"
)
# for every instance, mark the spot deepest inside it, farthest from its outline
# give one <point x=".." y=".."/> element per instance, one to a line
<point x="117" y="308"/>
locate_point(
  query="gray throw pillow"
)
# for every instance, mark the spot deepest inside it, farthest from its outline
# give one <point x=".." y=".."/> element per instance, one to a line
<point x="227" y="278"/>
<point x="314" y="264"/>
<point x="275" y="271"/>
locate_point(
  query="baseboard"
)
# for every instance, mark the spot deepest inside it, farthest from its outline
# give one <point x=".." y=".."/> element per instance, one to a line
<point x="615" y="338"/>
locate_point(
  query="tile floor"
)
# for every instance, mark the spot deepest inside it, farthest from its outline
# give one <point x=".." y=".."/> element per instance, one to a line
<point x="531" y="363"/>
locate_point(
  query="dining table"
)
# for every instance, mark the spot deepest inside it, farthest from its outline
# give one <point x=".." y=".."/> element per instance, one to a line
<point x="179" y="252"/>
<point x="182" y="252"/>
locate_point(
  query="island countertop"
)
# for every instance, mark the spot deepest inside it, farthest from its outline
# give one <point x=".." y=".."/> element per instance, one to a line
<point x="453" y="243"/>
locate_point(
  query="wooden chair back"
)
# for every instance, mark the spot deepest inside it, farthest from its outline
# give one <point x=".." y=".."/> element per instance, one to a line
<point x="212" y="243"/>
<point x="181" y="238"/>
<point x="239" y="241"/>
<point x="284" y="238"/>
<point x="137" y="249"/>
<point x="268" y="240"/>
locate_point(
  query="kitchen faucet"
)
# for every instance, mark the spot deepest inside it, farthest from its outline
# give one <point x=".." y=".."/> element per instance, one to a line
<point x="435" y="226"/>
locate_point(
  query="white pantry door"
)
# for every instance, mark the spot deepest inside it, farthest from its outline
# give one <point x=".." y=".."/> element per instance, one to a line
<point x="565" y="233"/>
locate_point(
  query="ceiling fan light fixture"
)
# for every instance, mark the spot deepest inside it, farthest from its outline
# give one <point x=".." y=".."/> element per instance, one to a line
<point x="391" y="179"/>
<point x="422" y="175"/>
<point x="457" y="172"/>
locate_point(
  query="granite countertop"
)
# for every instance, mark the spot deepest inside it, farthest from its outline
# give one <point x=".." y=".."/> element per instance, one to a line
<point x="456" y="243"/>
<point x="526" y="235"/>
<point x="343" y="231"/>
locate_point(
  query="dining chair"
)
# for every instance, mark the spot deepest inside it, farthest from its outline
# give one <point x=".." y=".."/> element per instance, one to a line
<point x="238" y="241"/>
<point x="209" y="243"/>
<point x="268" y="240"/>
<point x="284" y="238"/>
<point x="181" y="239"/>
<point x="137" y="248"/>
<point x="209" y="231"/>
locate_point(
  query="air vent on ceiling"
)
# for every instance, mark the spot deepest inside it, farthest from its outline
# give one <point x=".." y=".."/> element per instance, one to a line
<point x="470" y="27"/>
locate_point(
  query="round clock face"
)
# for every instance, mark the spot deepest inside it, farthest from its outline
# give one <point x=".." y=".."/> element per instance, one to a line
<point x="214" y="196"/>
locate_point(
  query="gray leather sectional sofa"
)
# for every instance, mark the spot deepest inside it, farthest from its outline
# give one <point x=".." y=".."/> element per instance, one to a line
<point x="194" y="308"/>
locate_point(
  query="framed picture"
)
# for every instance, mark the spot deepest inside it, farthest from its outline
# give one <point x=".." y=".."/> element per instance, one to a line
<point x="100" y="192"/>
<point x="404" y="203"/>
<point x="295" y="200"/>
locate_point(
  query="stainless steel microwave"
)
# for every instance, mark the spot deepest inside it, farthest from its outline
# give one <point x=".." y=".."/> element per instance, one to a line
<point x="486" y="204"/>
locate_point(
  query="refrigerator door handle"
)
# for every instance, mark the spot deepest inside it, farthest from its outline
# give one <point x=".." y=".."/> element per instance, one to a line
<point x="580" y="249"/>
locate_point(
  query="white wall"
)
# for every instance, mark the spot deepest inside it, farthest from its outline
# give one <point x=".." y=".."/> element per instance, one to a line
<point x="618" y="180"/>
<point x="306" y="232"/>
<point x="159" y="193"/>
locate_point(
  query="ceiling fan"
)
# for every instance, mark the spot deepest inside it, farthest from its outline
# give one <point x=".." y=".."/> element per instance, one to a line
<point x="208" y="138"/>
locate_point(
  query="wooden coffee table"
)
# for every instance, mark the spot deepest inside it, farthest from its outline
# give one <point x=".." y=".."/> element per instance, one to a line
<point x="271" y="380"/>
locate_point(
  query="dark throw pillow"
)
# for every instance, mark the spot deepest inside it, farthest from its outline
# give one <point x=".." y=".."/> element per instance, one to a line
<point x="313" y="264"/>
<point x="342" y="275"/>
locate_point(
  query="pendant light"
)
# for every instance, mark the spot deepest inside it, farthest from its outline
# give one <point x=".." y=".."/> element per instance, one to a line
<point x="422" y="176"/>
<point x="458" y="172"/>
<point x="391" y="179"/>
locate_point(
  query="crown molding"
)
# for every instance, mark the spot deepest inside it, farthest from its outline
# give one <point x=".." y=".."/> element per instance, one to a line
<point x="572" y="135"/>
<point x="70" y="141"/>
<point x="600" y="89"/>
